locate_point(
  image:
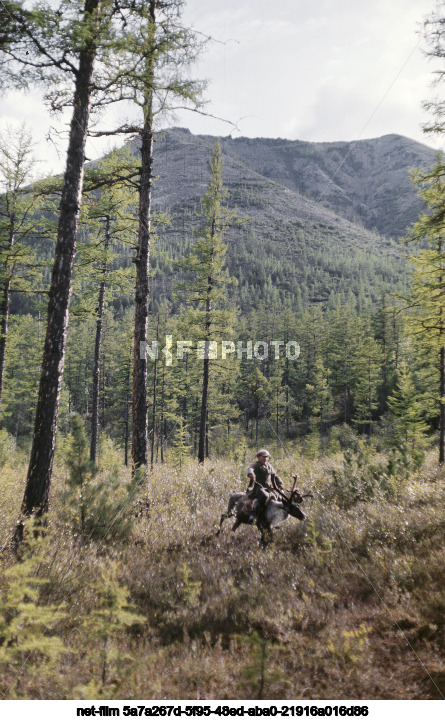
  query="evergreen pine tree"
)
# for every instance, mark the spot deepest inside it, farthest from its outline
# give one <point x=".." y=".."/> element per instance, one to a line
<point x="427" y="321"/>
<point x="405" y="410"/>
<point x="28" y="625"/>
<point x="18" y="222"/>
<point x="63" y="44"/>
<point x="101" y="506"/>
<point x="207" y="290"/>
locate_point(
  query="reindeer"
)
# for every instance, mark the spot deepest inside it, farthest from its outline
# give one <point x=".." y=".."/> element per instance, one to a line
<point x="276" y="511"/>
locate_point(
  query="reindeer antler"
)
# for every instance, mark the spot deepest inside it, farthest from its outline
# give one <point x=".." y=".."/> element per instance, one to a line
<point x="294" y="492"/>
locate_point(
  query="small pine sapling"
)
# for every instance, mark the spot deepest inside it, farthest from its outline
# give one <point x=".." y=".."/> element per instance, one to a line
<point x="102" y="506"/>
<point x="27" y="625"/>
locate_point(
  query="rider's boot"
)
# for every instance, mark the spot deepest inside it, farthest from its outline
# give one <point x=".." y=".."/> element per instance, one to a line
<point x="254" y="511"/>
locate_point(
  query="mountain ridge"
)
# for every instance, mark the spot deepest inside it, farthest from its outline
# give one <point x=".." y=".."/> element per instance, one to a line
<point x="364" y="181"/>
<point x="325" y="237"/>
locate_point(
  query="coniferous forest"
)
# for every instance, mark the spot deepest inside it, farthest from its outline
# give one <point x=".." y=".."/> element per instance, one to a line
<point x="166" y="311"/>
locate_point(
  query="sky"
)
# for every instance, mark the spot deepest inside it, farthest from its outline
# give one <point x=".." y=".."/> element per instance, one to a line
<point x="315" y="70"/>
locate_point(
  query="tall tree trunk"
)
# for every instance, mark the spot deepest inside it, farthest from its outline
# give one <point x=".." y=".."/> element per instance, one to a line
<point x="97" y="349"/>
<point x="442" y="375"/>
<point x="277" y="414"/>
<point x="206" y="367"/>
<point x="287" y="387"/>
<point x="228" y="417"/>
<point x="4" y="310"/>
<point x="442" y="407"/>
<point x="163" y="429"/>
<point x="140" y="404"/>
<point x="204" y="406"/>
<point x="38" y="481"/>
<point x="155" y="380"/>
<point x="127" y="411"/>
<point x="187" y="390"/>
<point x="207" y="435"/>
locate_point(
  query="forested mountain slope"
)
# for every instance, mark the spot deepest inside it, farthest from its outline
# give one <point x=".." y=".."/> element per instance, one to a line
<point x="320" y="218"/>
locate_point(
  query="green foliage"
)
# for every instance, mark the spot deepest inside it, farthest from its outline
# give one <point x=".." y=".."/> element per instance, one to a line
<point x="426" y="322"/>
<point x="99" y="505"/>
<point x="406" y="412"/>
<point x="365" y="477"/>
<point x="319" y="393"/>
<point x="7" y="446"/>
<point x="311" y="447"/>
<point x="352" y="646"/>
<point x="103" y="629"/>
<point x="361" y="478"/>
<point x="28" y="624"/>
<point x="108" y="232"/>
<point x="261" y="671"/>
<point x="190" y="590"/>
<point x="25" y="338"/>
<point x="180" y="447"/>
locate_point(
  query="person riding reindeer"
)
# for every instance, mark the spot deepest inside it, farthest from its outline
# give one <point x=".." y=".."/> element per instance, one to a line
<point x="263" y="479"/>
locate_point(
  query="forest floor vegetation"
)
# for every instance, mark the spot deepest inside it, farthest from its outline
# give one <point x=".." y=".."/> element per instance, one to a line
<point x="349" y="604"/>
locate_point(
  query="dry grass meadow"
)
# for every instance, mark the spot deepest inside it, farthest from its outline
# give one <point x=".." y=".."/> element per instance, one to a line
<point x="349" y="604"/>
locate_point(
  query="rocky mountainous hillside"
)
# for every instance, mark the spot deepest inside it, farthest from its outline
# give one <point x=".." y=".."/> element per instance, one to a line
<point x="321" y="219"/>
<point x="365" y="181"/>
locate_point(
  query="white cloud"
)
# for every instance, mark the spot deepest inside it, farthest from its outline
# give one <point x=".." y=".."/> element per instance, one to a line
<point x="304" y="69"/>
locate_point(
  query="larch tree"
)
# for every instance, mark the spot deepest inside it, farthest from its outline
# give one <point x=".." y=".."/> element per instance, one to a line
<point x="158" y="84"/>
<point x="434" y="37"/>
<point x="406" y="409"/>
<point x="428" y="280"/>
<point x="367" y="380"/>
<point x="66" y="49"/>
<point x="110" y="222"/>
<point x="158" y="53"/>
<point x="207" y="290"/>
<point x="19" y="206"/>
<point x="427" y="298"/>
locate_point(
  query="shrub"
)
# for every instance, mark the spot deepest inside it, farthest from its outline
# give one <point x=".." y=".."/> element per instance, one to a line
<point x="27" y="623"/>
<point x="98" y="505"/>
<point x="364" y="476"/>
<point x="7" y="446"/>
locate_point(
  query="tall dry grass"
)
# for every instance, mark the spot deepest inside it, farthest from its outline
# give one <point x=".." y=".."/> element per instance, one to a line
<point x="347" y="605"/>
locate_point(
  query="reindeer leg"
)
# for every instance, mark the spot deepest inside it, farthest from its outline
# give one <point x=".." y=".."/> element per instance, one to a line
<point x="266" y="535"/>
<point x="224" y="517"/>
<point x="236" y="525"/>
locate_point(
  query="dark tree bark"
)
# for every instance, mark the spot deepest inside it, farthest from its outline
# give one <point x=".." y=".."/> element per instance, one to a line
<point x="442" y="407"/>
<point x="204" y="406"/>
<point x="127" y="410"/>
<point x="97" y="349"/>
<point x="163" y="422"/>
<point x="155" y="381"/>
<point x="205" y="380"/>
<point x="277" y="415"/>
<point x="442" y="375"/>
<point x="140" y="403"/>
<point x="207" y="435"/>
<point x="44" y="440"/>
<point x="4" y="310"/>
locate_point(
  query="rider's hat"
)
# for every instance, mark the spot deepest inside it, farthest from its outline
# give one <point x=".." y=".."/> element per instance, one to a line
<point x="263" y="452"/>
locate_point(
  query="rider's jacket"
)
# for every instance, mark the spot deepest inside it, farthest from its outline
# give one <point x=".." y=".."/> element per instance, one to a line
<point x="264" y="474"/>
